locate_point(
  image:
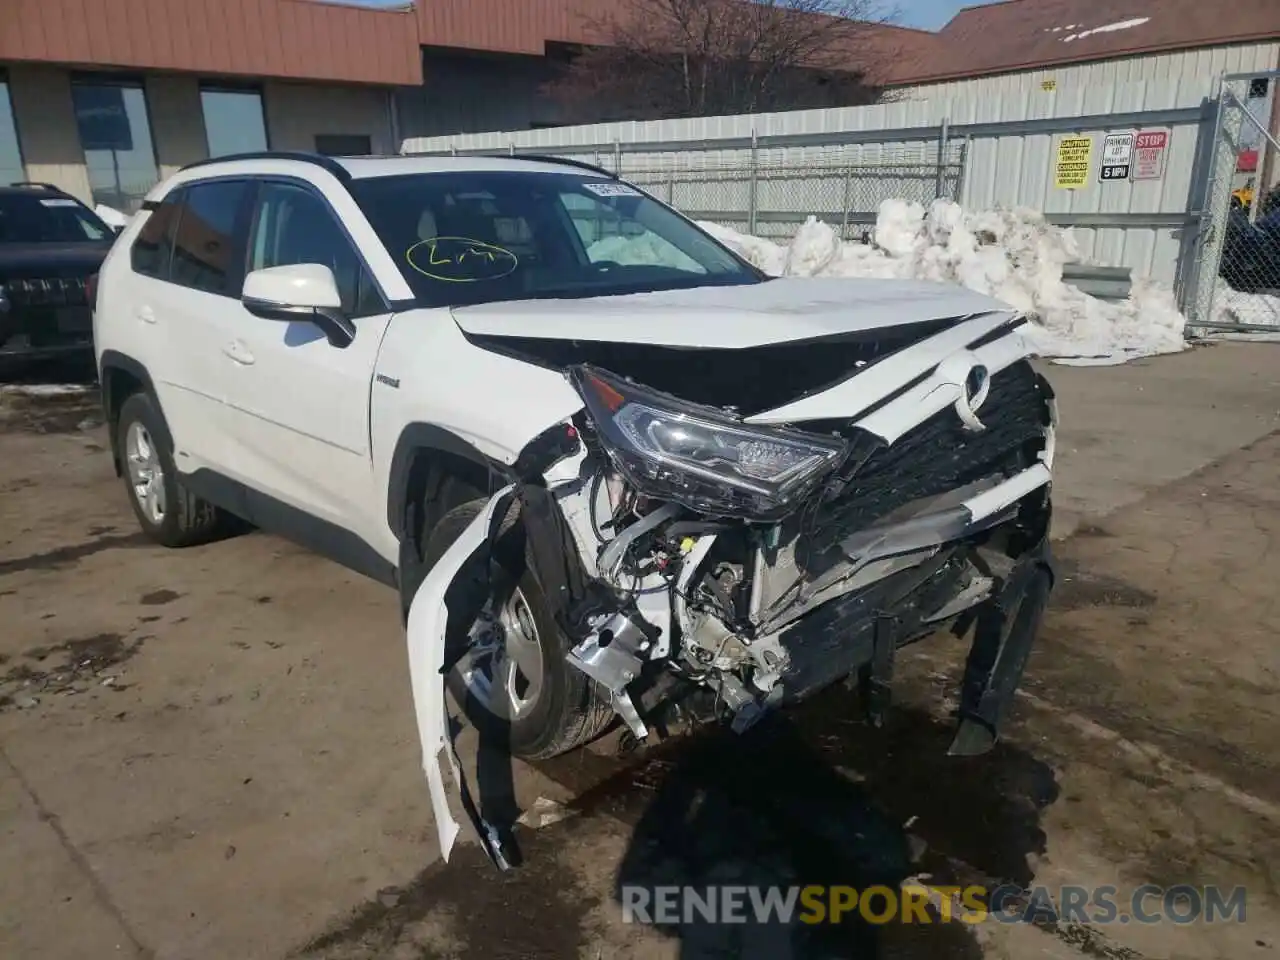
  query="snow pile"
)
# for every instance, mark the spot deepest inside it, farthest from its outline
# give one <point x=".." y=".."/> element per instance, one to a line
<point x="1108" y="28"/>
<point x="111" y="216"/>
<point x="1232" y="306"/>
<point x="1012" y="255"/>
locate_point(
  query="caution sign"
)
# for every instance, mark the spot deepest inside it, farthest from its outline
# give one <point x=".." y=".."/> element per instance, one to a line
<point x="1150" y="148"/>
<point x="1117" y="154"/>
<point x="1071" y="169"/>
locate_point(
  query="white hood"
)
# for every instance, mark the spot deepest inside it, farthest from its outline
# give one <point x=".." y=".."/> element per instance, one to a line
<point x="782" y="310"/>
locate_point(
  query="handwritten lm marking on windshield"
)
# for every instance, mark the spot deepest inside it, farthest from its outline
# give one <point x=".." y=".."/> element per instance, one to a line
<point x="461" y="260"/>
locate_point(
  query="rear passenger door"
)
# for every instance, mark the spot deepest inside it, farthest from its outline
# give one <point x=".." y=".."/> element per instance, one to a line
<point x="299" y="405"/>
<point x="190" y="257"/>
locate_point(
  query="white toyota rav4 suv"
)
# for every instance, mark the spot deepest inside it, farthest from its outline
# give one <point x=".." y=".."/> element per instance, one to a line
<point x="607" y="463"/>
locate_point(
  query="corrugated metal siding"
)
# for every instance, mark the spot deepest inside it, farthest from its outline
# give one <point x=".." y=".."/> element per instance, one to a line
<point x="1009" y="167"/>
<point x="1206" y="64"/>
<point x="274" y="38"/>
<point x="525" y="26"/>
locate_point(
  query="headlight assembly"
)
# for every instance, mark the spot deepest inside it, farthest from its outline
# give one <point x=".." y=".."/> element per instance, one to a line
<point x="701" y="458"/>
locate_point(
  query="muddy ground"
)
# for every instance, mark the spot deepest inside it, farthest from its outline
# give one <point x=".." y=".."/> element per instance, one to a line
<point x="211" y="753"/>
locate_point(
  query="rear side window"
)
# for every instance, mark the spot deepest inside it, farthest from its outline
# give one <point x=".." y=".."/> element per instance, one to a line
<point x="205" y="253"/>
<point x="153" y="248"/>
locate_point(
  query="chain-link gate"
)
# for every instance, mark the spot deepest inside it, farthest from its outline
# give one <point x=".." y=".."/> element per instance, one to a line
<point x="1238" y="267"/>
<point x="772" y="191"/>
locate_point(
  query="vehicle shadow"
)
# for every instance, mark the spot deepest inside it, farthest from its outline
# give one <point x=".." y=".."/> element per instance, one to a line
<point x="808" y="798"/>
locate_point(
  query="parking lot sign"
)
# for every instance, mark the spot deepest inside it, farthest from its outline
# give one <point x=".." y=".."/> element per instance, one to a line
<point x="1117" y="155"/>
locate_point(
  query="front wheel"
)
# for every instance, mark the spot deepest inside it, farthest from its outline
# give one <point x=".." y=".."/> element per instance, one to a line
<point x="513" y="678"/>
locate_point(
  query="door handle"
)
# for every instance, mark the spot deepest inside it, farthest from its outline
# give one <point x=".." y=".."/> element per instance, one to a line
<point x="238" y="352"/>
<point x="146" y="315"/>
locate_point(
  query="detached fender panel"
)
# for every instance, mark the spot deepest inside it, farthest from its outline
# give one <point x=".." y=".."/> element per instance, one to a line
<point x="428" y="622"/>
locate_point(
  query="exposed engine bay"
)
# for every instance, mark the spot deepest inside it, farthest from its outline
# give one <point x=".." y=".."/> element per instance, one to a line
<point x="763" y="557"/>
<point x="766" y="607"/>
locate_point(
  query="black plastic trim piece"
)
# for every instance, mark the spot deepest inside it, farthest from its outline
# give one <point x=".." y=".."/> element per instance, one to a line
<point x="327" y="163"/>
<point x="562" y="161"/>
<point x="40" y="184"/>
<point x="420" y="436"/>
<point x="327" y="539"/>
<point x="114" y="360"/>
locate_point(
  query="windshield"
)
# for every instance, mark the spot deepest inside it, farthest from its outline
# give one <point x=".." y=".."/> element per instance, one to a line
<point x="31" y="218"/>
<point x="483" y="236"/>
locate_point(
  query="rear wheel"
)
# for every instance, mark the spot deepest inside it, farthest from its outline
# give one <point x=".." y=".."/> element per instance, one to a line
<point x="513" y="678"/>
<point x="167" y="512"/>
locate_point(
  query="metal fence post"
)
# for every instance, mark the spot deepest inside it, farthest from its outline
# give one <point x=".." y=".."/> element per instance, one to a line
<point x="943" y="136"/>
<point x="754" y="183"/>
<point x="617" y="157"/>
<point x="848" y="187"/>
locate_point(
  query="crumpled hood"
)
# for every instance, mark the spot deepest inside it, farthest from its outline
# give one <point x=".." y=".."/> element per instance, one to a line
<point x="785" y="310"/>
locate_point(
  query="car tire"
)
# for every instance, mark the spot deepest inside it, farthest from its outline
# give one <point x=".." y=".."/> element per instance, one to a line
<point x="168" y="513"/>
<point x="568" y="711"/>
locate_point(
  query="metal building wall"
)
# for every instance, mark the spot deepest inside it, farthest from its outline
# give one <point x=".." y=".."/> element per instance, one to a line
<point x="1008" y="153"/>
<point x="1206" y="65"/>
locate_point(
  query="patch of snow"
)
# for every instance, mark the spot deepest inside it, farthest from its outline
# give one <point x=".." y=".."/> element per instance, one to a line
<point x="1107" y="28"/>
<point x="1231" y="306"/>
<point x="1012" y="255"/>
<point x="111" y="216"/>
<point x="43" y="389"/>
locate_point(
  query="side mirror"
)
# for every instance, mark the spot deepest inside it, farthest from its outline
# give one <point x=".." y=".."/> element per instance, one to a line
<point x="299" y="291"/>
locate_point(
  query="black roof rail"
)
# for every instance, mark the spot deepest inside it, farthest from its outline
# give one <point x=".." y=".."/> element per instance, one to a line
<point x="37" y="183"/>
<point x="319" y="159"/>
<point x="563" y="161"/>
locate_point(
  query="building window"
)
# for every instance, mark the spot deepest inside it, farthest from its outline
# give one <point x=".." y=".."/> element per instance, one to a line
<point x="10" y="154"/>
<point x="344" y="144"/>
<point x="234" y="121"/>
<point x="115" y="134"/>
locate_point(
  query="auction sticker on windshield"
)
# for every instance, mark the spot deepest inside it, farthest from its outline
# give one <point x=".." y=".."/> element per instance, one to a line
<point x="607" y="188"/>
<point x="1117" y="152"/>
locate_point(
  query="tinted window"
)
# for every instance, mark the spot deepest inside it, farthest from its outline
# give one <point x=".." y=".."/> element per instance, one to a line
<point x="293" y="225"/>
<point x="111" y="117"/>
<point x="204" y="251"/>
<point x="153" y="247"/>
<point x="32" y="218"/>
<point x="10" y="152"/>
<point x="484" y="236"/>
<point x="233" y="121"/>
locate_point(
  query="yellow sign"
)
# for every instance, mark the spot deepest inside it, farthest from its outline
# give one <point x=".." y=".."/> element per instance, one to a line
<point x="1071" y="169"/>
<point x="1047" y="85"/>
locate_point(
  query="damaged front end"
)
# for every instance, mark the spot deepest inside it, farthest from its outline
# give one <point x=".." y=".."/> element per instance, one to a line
<point x="765" y="558"/>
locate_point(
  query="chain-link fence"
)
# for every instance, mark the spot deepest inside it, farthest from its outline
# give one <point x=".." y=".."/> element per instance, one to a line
<point x="770" y="192"/>
<point x="1239" y="262"/>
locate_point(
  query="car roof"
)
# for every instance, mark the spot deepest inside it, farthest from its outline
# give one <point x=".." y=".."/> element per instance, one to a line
<point x="365" y="168"/>
<point x="33" y="190"/>
<point x="362" y="168"/>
